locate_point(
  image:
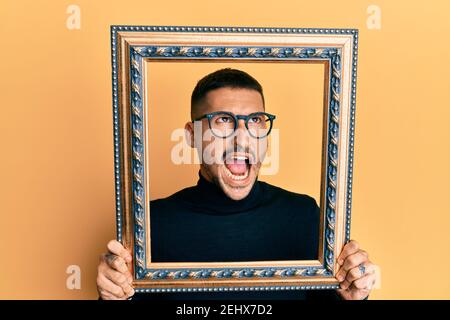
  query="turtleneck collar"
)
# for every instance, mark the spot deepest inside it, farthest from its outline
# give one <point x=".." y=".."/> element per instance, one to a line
<point x="209" y="198"/>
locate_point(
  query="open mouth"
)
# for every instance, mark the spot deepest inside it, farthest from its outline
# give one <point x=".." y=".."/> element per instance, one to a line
<point x="237" y="166"/>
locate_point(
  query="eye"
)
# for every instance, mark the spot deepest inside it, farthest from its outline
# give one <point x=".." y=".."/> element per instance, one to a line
<point x="254" y="120"/>
<point x="224" y="119"/>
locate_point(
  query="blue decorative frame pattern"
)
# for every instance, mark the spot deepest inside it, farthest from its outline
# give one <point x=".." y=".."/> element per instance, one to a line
<point x="137" y="55"/>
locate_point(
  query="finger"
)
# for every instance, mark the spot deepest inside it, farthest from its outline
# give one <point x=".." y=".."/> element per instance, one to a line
<point x="116" y="263"/>
<point x="355" y="274"/>
<point x="352" y="261"/>
<point x="119" y="279"/>
<point x="350" y="248"/>
<point x="352" y="275"/>
<point x="105" y="268"/>
<point x="365" y="283"/>
<point x="105" y="295"/>
<point x="116" y="248"/>
<point x="107" y="288"/>
<point x="116" y="276"/>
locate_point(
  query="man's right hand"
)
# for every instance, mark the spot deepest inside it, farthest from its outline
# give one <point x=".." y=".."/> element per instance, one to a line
<point x="114" y="280"/>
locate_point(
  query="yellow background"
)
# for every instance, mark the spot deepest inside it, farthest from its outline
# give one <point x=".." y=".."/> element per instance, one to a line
<point x="56" y="168"/>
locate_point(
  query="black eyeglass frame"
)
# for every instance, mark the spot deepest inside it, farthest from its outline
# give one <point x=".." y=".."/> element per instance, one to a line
<point x="236" y="118"/>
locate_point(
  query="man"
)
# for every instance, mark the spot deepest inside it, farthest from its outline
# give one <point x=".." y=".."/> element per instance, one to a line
<point x="230" y="215"/>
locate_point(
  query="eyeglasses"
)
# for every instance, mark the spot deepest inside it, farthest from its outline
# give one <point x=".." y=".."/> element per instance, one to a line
<point x="223" y="124"/>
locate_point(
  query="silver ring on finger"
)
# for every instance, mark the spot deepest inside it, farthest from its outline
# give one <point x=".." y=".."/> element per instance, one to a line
<point x="362" y="269"/>
<point x="110" y="258"/>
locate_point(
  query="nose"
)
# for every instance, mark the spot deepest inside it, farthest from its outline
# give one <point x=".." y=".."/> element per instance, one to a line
<point x="241" y="136"/>
<point x="241" y="124"/>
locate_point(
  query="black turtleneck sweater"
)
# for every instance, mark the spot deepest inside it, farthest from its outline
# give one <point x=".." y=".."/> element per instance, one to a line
<point x="201" y="224"/>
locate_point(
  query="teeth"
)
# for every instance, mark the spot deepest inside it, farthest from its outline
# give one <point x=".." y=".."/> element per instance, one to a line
<point x="236" y="177"/>
<point x="239" y="157"/>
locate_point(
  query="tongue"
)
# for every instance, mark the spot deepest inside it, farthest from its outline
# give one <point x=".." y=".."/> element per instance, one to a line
<point x="237" y="167"/>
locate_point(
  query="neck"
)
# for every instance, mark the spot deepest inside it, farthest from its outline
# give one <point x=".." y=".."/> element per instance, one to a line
<point x="210" y="198"/>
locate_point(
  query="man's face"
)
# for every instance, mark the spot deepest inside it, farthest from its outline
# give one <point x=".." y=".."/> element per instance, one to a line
<point x="237" y="159"/>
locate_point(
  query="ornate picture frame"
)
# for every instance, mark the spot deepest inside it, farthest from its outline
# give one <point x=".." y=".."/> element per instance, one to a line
<point x="132" y="47"/>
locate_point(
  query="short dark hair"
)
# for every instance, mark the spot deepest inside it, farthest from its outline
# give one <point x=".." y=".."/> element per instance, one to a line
<point x="223" y="78"/>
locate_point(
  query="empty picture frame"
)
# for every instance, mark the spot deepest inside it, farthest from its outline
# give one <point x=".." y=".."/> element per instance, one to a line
<point x="133" y="49"/>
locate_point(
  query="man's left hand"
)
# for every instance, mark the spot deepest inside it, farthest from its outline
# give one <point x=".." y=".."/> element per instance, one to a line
<point x="356" y="274"/>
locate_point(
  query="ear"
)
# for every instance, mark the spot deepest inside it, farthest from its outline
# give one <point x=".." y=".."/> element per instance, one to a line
<point x="189" y="133"/>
